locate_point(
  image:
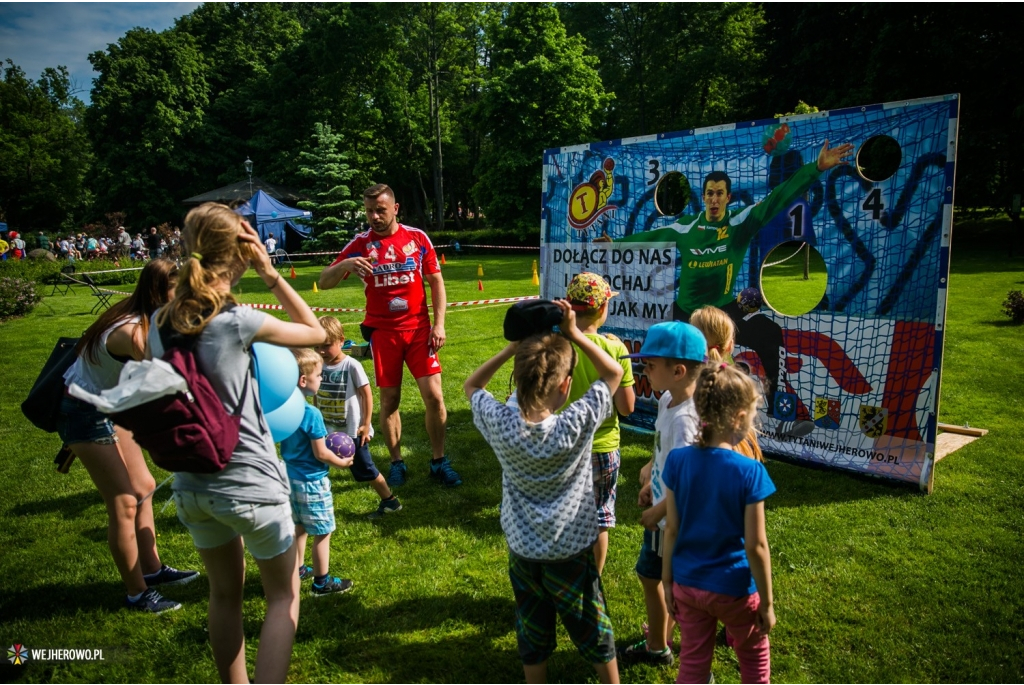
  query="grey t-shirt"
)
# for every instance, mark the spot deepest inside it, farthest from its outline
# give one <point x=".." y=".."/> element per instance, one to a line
<point x="254" y="474"/>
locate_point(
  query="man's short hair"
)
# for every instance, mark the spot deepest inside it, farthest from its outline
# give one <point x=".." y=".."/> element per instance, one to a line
<point x="374" y="191"/>
<point x="716" y="176"/>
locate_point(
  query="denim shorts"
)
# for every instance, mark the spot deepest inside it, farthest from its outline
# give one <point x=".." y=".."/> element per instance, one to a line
<point x="214" y="521"/>
<point x="648" y="565"/>
<point x="81" y="422"/>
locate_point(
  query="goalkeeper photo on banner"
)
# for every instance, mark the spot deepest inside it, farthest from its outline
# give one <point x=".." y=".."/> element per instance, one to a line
<point x="712" y="245"/>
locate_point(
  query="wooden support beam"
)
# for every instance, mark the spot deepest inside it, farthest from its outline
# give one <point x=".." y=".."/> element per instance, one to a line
<point x="962" y="430"/>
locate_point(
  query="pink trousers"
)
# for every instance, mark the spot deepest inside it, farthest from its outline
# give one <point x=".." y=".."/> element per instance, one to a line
<point x="698" y="613"/>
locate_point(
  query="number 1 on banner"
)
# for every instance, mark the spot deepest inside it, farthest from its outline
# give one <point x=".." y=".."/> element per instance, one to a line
<point x="797" y="214"/>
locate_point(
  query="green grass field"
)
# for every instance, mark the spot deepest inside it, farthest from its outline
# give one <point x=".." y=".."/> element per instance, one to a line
<point x="873" y="582"/>
<point x="783" y="285"/>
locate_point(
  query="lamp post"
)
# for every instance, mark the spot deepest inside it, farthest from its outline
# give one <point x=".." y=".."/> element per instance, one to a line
<point x="248" y="170"/>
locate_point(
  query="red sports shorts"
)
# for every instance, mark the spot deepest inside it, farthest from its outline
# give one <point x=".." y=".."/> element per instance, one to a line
<point x="393" y="348"/>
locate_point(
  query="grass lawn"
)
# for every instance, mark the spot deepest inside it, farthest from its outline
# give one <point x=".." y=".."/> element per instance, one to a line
<point x="873" y="582"/>
<point x="783" y="285"/>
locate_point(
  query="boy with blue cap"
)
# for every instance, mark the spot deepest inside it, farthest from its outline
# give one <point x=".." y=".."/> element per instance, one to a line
<point x="673" y="353"/>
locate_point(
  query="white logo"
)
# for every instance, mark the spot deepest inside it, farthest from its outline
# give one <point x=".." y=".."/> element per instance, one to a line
<point x="707" y="250"/>
<point x="398" y="305"/>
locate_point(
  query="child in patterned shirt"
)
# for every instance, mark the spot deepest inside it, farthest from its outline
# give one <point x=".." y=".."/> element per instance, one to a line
<point x="547" y="505"/>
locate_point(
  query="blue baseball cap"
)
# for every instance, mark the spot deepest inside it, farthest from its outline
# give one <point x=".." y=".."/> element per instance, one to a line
<point x="673" y="340"/>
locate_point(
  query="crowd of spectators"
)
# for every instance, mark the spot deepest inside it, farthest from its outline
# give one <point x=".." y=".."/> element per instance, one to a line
<point x="79" y="246"/>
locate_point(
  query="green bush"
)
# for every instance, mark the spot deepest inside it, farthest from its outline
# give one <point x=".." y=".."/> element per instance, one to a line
<point x="35" y="270"/>
<point x="1013" y="306"/>
<point x="18" y="296"/>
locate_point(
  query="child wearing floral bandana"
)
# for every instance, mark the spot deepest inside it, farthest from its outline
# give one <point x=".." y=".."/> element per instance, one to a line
<point x="588" y="294"/>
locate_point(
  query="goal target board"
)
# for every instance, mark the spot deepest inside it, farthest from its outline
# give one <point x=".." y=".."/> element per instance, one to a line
<point x="854" y="382"/>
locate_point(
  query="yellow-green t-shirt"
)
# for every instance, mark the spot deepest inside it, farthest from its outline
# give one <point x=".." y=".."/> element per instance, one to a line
<point x="606" y="438"/>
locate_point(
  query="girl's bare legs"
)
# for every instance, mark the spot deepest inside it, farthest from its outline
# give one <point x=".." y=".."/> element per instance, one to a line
<point x="225" y="567"/>
<point x="143" y="485"/>
<point x="281" y="587"/>
<point x="110" y="475"/>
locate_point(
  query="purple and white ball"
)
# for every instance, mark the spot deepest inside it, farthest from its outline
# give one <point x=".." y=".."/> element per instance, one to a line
<point x="750" y="300"/>
<point x="341" y="444"/>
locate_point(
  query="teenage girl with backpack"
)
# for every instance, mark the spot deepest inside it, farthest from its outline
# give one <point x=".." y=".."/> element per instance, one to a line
<point x="110" y="454"/>
<point x="250" y="497"/>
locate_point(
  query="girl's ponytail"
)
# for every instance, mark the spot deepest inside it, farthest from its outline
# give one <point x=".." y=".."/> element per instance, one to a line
<point x="211" y="247"/>
<point x="718" y="330"/>
<point x="722" y="393"/>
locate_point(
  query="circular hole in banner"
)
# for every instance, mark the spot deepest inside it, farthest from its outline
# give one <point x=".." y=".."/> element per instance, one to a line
<point x="793" y="278"/>
<point x="672" y="194"/>
<point x="879" y="158"/>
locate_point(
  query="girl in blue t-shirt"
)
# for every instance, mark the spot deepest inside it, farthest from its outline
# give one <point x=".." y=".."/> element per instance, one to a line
<point x="720" y="567"/>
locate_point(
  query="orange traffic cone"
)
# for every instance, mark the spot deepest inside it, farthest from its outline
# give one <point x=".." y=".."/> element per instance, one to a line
<point x="293" y="271"/>
<point x="442" y="259"/>
<point x="480" y="286"/>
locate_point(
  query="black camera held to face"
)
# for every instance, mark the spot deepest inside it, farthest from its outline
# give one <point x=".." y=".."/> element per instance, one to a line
<point x="530" y="317"/>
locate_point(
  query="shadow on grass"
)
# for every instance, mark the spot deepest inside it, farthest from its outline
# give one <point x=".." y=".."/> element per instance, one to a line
<point x="44" y="602"/>
<point x="69" y="505"/>
<point x="806" y="484"/>
<point x="427" y="503"/>
<point x="465" y="622"/>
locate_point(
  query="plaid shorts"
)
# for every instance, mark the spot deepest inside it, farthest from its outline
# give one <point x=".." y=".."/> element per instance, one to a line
<point x="570" y="589"/>
<point x="313" y="505"/>
<point x="606" y="479"/>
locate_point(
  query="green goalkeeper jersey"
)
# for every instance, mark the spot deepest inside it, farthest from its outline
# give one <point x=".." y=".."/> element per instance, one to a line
<point x="711" y="252"/>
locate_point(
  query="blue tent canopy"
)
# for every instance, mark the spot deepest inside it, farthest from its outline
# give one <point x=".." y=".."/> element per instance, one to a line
<point x="270" y="216"/>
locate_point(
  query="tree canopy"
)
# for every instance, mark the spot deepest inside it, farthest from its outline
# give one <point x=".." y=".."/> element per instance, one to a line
<point x="452" y="103"/>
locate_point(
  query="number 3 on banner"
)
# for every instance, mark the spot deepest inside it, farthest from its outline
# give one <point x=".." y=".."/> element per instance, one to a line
<point x="873" y="203"/>
<point x="654" y="172"/>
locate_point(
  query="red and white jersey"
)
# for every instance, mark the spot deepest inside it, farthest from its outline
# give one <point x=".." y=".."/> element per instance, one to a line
<point x="395" y="293"/>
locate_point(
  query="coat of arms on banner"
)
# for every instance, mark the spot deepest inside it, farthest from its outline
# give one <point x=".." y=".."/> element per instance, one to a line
<point x="785" y="406"/>
<point x="826" y="412"/>
<point x="873" y="420"/>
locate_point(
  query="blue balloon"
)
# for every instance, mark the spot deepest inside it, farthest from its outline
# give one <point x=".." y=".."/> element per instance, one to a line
<point x="285" y="420"/>
<point x="277" y="374"/>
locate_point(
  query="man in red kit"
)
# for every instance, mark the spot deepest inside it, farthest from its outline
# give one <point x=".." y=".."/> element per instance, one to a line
<point x="395" y="261"/>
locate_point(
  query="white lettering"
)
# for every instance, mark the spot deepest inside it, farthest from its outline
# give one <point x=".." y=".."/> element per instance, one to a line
<point x="387" y="280"/>
<point x="707" y="250"/>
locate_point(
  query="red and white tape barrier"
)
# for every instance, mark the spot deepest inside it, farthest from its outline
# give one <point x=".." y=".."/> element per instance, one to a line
<point x="467" y="303"/>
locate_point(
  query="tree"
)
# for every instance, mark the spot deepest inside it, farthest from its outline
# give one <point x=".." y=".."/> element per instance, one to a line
<point x="242" y="43"/>
<point x="542" y="91"/>
<point x="858" y="53"/>
<point x="673" y="65"/>
<point x="147" y="108"/>
<point x="44" y="151"/>
<point x="327" y="174"/>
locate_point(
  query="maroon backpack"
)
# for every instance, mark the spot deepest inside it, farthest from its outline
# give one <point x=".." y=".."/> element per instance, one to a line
<point x="187" y="431"/>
